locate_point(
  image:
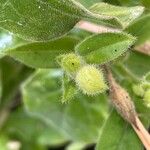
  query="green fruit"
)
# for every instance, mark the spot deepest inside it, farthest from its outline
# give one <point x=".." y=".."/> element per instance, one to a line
<point x="70" y="63"/>
<point x="90" y="80"/>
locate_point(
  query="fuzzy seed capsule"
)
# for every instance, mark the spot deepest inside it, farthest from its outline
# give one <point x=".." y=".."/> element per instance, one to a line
<point x="90" y="80"/>
<point x="70" y="62"/>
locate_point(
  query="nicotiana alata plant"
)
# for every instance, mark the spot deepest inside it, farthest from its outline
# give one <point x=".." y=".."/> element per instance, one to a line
<point x="67" y="67"/>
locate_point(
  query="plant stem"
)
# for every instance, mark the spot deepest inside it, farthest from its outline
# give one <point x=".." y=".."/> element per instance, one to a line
<point x="94" y="28"/>
<point x="142" y="133"/>
<point x="123" y="104"/>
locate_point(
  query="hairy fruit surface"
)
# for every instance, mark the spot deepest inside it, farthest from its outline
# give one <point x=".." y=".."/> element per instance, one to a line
<point x="90" y="80"/>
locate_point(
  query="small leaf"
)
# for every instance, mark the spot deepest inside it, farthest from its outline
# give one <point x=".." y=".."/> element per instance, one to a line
<point x="42" y="55"/>
<point x="124" y="14"/>
<point x="141" y="29"/>
<point x="105" y="47"/>
<point x="117" y="135"/>
<point x="69" y="89"/>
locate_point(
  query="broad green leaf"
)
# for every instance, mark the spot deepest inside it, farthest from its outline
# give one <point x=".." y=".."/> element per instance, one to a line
<point x="44" y="20"/>
<point x="117" y="135"/>
<point x="29" y="129"/>
<point x="73" y="120"/>
<point x="124" y="14"/>
<point x="141" y="29"/>
<point x="42" y="55"/>
<point x="104" y="47"/>
<point x="85" y="114"/>
<point x="39" y="20"/>
<point x="12" y="75"/>
<point x="69" y="89"/>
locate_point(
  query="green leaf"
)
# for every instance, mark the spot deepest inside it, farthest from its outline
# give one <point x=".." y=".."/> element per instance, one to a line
<point x="73" y="120"/>
<point x="69" y="89"/>
<point x="39" y="20"/>
<point x="45" y="20"/>
<point x="102" y="48"/>
<point x="42" y="55"/>
<point x="35" y="54"/>
<point x="140" y="29"/>
<point x="124" y="14"/>
<point x="29" y="129"/>
<point x="117" y="135"/>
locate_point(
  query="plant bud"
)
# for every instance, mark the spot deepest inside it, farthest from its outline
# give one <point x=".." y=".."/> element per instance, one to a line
<point x="138" y="90"/>
<point x="90" y="80"/>
<point x="147" y="98"/>
<point x="71" y="63"/>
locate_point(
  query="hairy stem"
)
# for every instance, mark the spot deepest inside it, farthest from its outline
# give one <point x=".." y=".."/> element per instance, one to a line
<point x="125" y="107"/>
